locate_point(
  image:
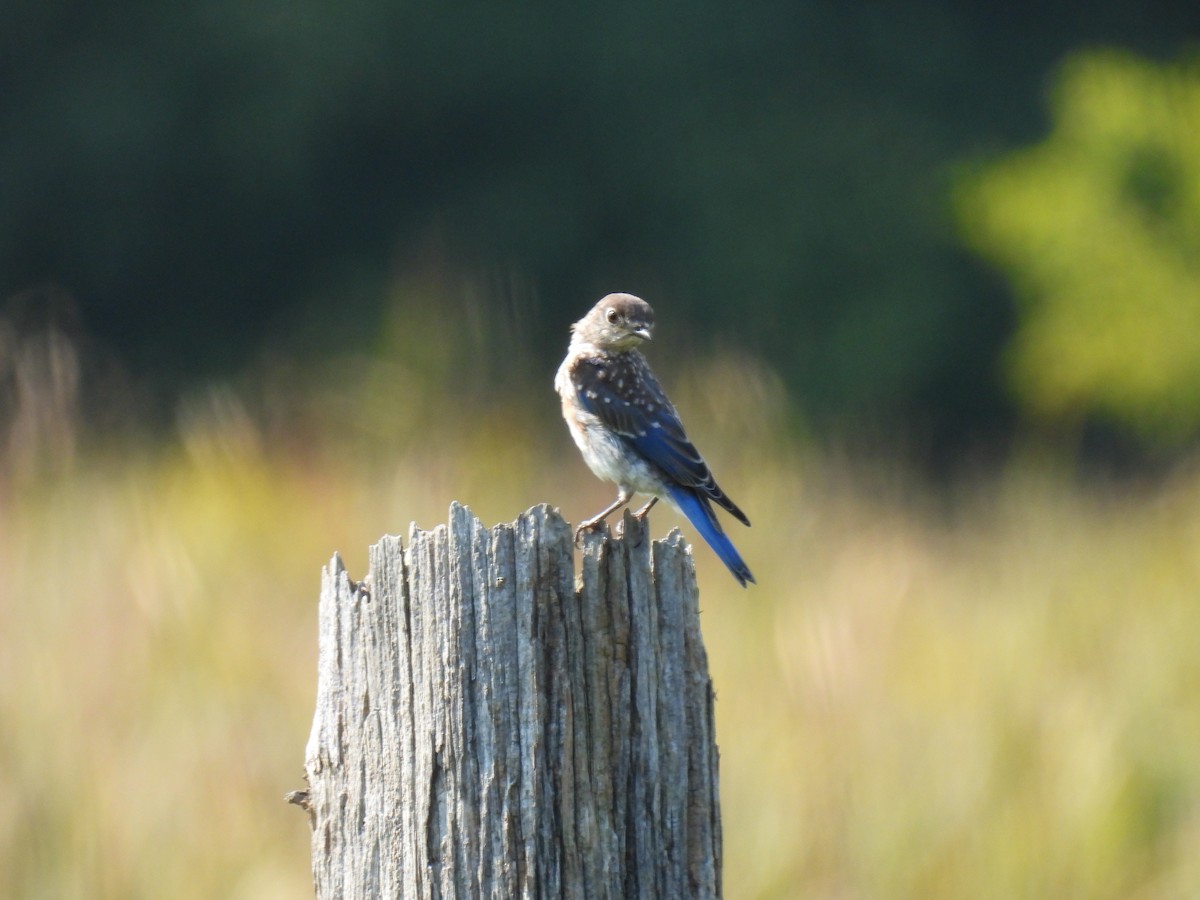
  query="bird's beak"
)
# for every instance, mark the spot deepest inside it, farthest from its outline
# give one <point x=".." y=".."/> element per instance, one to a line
<point x="643" y="333"/>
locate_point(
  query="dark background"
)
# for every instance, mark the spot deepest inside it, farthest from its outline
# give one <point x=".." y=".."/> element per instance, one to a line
<point x="201" y="181"/>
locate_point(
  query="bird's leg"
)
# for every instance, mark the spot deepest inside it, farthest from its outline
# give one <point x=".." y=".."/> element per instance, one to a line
<point x="623" y="497"/>
<point x="641" y="513"/>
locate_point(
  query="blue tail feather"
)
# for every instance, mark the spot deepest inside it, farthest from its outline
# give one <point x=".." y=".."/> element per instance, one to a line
<point x="700" y="513"/>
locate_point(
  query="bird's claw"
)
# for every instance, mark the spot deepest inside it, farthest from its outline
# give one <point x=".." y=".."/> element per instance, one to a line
<point x="584" y="526"/>
<point x="641" y="514"/>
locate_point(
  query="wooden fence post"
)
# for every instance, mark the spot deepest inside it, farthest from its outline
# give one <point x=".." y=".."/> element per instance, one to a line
<point x="484" y="728"/>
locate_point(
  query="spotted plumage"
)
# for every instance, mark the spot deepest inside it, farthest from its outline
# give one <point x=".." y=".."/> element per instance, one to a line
<point x="627" y="429"/>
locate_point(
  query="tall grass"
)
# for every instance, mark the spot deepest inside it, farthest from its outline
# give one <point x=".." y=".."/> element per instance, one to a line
<point x="994" y="696"/>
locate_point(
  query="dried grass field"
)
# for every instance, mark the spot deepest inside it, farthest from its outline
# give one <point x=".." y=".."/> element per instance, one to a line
<point x="987" y="690"/>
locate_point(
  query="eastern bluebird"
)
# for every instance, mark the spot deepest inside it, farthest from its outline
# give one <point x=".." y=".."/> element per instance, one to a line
<point x="627" y="429"/>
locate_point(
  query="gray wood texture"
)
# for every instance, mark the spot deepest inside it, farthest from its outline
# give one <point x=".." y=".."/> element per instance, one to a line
<point x="486" y="726"/>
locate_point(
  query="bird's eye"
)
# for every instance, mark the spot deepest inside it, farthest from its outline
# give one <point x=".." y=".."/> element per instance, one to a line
<point x="612" y="315"/>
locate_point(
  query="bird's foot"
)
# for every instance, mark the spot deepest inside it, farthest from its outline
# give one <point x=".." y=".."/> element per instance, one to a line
<point x="645" y="510"/>
<point x="587" y="525"/>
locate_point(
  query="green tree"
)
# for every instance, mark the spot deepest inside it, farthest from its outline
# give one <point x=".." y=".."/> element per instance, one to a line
<point x="1098" y="228"/>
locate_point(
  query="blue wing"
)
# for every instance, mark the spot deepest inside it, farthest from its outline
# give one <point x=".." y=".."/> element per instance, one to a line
<point x="624" y="394"/>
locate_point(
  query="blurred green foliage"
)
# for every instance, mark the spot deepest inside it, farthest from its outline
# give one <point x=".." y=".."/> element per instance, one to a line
<point x="1099" y="229"/>
<point x="209" y="178"/>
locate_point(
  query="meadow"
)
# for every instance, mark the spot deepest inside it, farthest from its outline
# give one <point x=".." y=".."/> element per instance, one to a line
<point x="985" y="689"/>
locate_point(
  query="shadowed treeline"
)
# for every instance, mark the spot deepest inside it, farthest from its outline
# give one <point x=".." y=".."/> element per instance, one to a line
<point x="209" y="179"/>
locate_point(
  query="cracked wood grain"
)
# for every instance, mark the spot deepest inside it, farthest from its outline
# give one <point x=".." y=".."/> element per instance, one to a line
<point x="488" y="726"/>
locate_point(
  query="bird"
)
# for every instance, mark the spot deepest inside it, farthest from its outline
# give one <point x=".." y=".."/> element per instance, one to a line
<point x="628" y="430"/>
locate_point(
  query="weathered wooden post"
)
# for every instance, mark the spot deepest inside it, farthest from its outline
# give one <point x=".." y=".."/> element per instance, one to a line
<point x="484" y="728"/>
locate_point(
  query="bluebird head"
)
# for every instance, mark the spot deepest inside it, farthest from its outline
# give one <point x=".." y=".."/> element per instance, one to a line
<point x="617" y="322"/>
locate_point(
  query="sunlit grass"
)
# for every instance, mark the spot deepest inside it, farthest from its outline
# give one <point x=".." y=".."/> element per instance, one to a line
<point x="996" y="703"/>
<point x="991" y="697"/>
